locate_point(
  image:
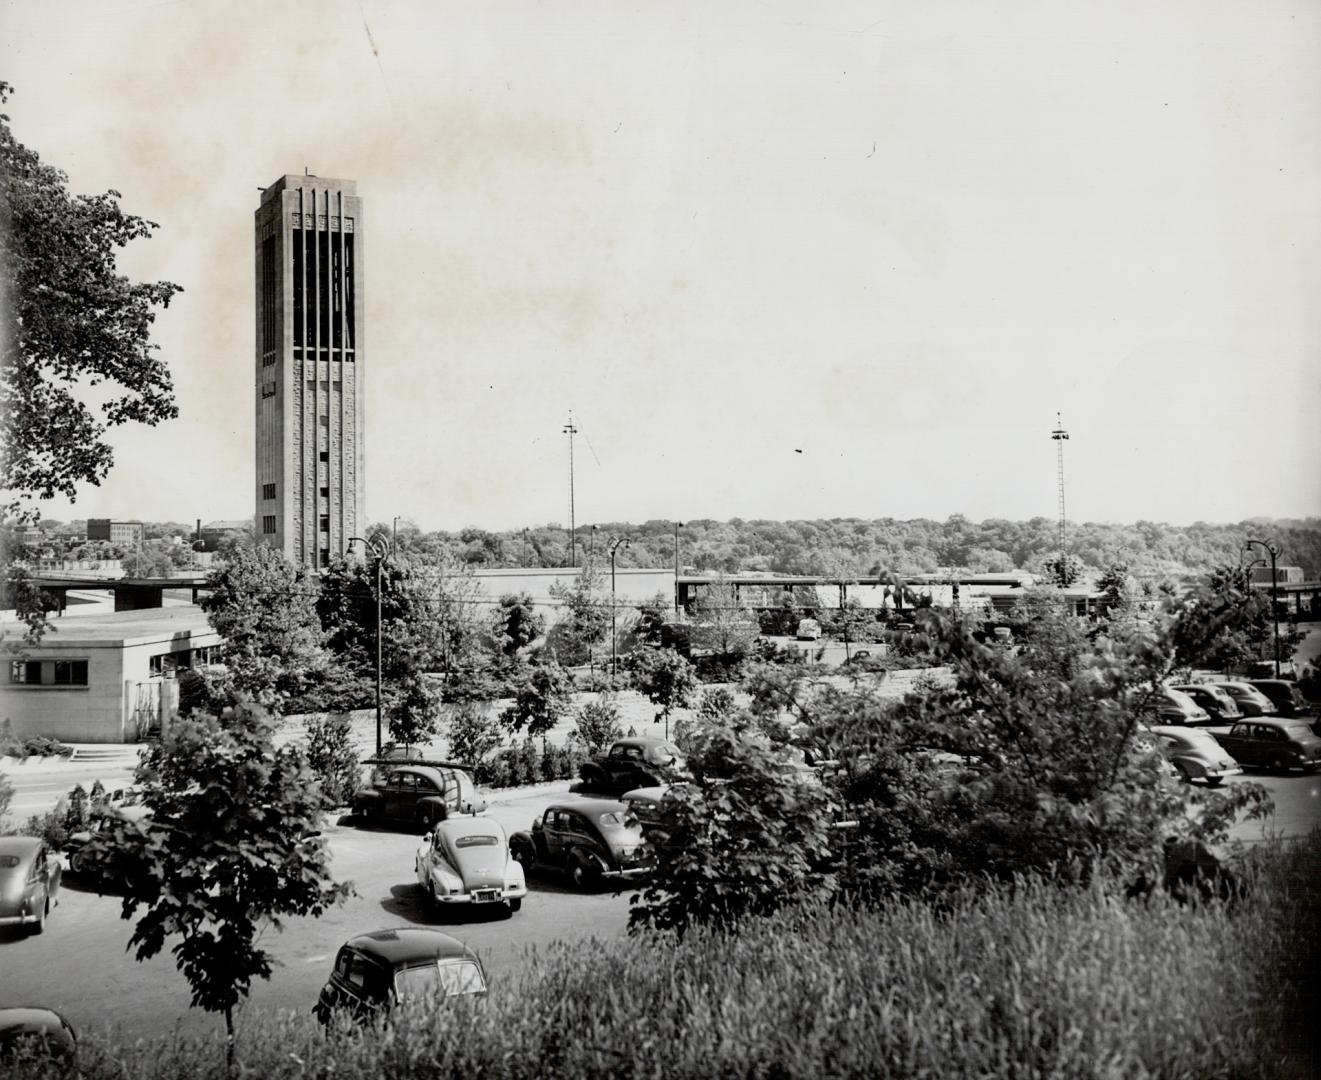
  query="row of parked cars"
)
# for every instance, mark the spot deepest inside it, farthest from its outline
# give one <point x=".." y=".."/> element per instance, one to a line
<point x="1210" y="730"/>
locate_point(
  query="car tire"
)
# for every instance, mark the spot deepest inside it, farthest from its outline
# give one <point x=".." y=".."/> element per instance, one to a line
<point x="1279" y="764"/>
<point x="515" y="905"/>
<point x="583" y="874"/>
<point x="522" y="856"/>
<point x="1185" y="776"/>
<point x="432" y="897"/>
<point x="76" y="862"/>
<point x="39" y="927"/>
<point x="1214" y="781"/>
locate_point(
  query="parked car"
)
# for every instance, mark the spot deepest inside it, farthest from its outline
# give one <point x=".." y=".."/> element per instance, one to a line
<point x="808" y="630"/>
<point x="1267" y="742"/>
<point x="420" y="794"/>
<point x="1173" y="706"/>
<point x="122" y="804"/>
<point x="1195" y="754"/>
<point x="1250" y="701"/>
<point x="592" y="841"/>
<point x="465" y="860"/>
<point x="373" y="972"/>
<point x="29" y="882"/>
<point x="634" y="762"/>
<point x="29" y="1030"/>
<point x="645" y="803"/>
<point x="1217" y="704"/>
<point x="1284" y="695"/>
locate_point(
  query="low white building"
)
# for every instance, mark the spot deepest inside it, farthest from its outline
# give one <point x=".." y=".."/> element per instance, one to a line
<point x="101" y="678"/>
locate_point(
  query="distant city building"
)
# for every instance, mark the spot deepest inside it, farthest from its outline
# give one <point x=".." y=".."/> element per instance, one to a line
<point x="309" y="363"/>
<point x="213" y="533"/>
<point x="120" y="533"/>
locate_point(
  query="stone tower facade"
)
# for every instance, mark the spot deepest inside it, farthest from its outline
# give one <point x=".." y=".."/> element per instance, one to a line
<point x="309" y="366"/>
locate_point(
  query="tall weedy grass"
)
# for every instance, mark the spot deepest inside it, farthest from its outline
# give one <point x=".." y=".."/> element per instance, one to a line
<point x="1025" y="979"/>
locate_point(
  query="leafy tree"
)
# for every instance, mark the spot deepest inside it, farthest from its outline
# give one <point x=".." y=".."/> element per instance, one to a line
<point x="264" y="609"/>
<point x="664" y="678"/>
<point x="723" y="625"/>
<point x="598" y="724"/>
<point x="473" y="732"/>
<point x="544" y="696"/>
<point x="332" y="757"/>
<point x="232" y="846"/>
<point x="413" y="714"/>
<point x="30" y="605"/>
<point x="517" y="622"/>
<point x="6" y="796"/>
<point x="70" y="318"/>
<point x="751" y="836"/>
<point x="150" y="561"/>
<point x="717" y="705"/>
<point x="852" y="623"/>
<point x="585" y="616"/>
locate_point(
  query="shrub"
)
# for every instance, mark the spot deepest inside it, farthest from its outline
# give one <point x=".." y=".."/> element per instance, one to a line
<point x="331" y="755"/>
<point x="473" y="732"/>
<point x="598" y="725"/>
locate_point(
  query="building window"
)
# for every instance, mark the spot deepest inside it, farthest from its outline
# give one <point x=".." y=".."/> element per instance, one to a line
<point x="48" y="672"/>
<point x="268" y="388"/>
<point x="25" y="671"/>
<point x="325" y="493"/>
<point x="325" y="455"/>
<point x="168" y="663"/>
<point x="205" y="654"/>
<point x="268" y="491"/>
<point x="325" y="523"/>
<point x="325" y="556"/>
<point x="268" y="523"/>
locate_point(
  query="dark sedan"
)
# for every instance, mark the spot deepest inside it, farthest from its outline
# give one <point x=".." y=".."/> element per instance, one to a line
<point x="419" y="795"/>
<point x="594" y="840"/>
<point x="634" y="762"/>
<point x="1285" y="696"/>
<point x="29" y="881"/>
<point x="373" y="972"/>
<point x="1266" y="742"/>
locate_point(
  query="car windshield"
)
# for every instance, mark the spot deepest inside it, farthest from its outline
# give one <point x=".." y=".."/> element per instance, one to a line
<point x="450" y="978"/>
<point x="476" y="841"/>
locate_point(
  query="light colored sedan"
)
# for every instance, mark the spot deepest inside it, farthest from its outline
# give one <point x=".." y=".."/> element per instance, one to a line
<point x="465" y="860"/>
<point x="29" y="881"/>
<point x="1196" y="754"/>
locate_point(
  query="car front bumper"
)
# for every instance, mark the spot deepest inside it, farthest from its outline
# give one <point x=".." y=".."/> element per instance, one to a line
<point x="628" y="873"/>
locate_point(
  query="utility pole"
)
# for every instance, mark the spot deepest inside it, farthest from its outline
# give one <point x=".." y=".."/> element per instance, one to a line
<point x="571" y="431"/>
<point x="677" y="526"/>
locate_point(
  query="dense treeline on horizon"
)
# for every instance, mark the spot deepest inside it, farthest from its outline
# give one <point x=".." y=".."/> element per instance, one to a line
<point x="849" y="547"/>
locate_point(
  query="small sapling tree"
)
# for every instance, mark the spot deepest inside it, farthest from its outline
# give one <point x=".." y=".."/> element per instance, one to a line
<point x="543" y="697"/>
<point x="331" y="756"/>
<point x="598" y="725"/>
<point x="664" y="678"/>
<point x="473" y="732"/>
<point x="232" y="846"/>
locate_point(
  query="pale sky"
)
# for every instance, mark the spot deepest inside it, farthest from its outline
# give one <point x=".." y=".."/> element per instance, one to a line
<point x="781" y="260"/>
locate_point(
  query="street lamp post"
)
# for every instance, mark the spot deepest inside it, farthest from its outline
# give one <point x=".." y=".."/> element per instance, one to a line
<point x="677" y="526"/>
<point x="1273" y="552"/>
<point x="380" y="548"/>
<point x="591" y="546"/>
<point x="615" y="545"/>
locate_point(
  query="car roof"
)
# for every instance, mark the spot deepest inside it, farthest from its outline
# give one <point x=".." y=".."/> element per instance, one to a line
<point x="641" y="740"/>
<point x="591" y="807"/>
<point x="1273" y="721"/>
<point x="406" y="944"/>
<point x="1240" y="684"/>
<point x="19" y="845"/>
<point x="1287" y="684"/>
<point x="1197" y="734"/>
<point x="429" y="771"/>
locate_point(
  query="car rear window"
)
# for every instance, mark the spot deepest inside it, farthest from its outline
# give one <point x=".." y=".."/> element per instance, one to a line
<point x="1298" y="731"/>
<point x="450" y="978"/>
<point x="476" y="841"/>
<point x="8" y="862"/>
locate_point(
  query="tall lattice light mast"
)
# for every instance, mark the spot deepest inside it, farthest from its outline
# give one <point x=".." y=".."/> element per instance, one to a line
<point x="571" y="431"/>
<point x="1060" y="436"/>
